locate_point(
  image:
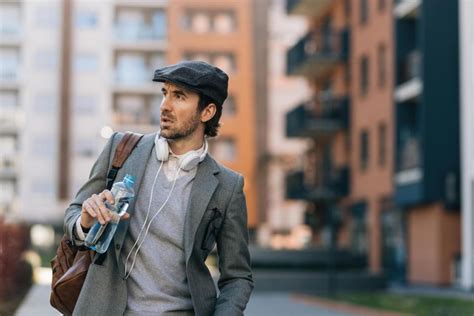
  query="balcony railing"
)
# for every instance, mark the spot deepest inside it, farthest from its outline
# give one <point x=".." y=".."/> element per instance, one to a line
<point x="333" y="115"/>
<point x="316" y="53"/>
<point x="410" y="67"/>
<point x="333" y="185"/>
<point x="311" y="8"/>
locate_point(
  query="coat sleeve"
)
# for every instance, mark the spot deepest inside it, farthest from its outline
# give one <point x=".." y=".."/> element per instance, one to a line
<point x="95" y="185"/>
<point x="235" y="282"/>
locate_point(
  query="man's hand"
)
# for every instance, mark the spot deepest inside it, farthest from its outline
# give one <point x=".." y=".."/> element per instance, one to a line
<point x="94" y="208"/>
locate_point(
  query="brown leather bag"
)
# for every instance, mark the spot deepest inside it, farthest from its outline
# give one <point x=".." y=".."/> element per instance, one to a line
<point x="71" y="262"/>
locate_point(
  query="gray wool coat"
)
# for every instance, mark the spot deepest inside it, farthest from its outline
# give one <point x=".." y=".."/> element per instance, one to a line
<point x="216" y="213"/>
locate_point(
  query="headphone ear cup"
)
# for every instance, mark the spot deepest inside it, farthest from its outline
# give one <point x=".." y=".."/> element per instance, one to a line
<point x="162" y="149"/>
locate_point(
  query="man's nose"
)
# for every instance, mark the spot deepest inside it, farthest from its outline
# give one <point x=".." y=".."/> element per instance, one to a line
<point x="165" y="104"/>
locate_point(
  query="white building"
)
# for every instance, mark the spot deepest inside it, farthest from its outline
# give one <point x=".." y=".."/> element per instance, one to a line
<point x="67" y="69"/>
<point x="466" y="31"/>
<point x="282" y="215"/>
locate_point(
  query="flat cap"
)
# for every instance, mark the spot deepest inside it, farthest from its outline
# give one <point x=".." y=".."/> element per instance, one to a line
<point x="198" y="76"/>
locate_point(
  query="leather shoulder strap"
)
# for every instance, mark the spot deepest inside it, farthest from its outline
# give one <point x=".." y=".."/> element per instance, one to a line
<point x="124" y="149"/>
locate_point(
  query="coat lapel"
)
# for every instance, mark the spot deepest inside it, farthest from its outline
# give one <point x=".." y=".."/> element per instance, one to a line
<point x="135" y="165"/>
<point x="205" y="183"/>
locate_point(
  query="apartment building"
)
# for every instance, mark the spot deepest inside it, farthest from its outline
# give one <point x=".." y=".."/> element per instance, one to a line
<point x="322" y="55"/>
<point x="284" y="217"/>
<point x="399" y="145"/>
<point x="427" y="145"/>
<point x="66" y="95"/>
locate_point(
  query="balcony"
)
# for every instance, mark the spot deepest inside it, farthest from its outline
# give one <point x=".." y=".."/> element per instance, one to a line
<point x="332" y="186"/>
<point x="312" y="8"/>
<point x="410" y="84"/>
<point x="406" y="9"/>
<point x="316" y="54"/>
<point x="409" y="172"/>
<point x="9" y="121"/>
<point x="333" y="116"/>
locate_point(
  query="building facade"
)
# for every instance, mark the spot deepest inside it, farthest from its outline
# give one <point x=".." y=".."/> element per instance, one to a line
<point x="399" y="146"/>
<point x="63" y="97"/>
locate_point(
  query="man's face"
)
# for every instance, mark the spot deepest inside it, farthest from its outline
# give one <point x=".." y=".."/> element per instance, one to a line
<point x="179" y="112"/>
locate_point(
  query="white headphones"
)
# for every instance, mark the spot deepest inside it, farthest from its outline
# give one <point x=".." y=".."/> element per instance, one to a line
<point x="187" y="162"/>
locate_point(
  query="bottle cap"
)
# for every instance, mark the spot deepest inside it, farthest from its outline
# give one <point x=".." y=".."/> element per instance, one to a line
<point x="129" y="180"/>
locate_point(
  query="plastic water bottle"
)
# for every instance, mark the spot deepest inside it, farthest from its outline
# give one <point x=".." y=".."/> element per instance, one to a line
<point x="99" y="236"/>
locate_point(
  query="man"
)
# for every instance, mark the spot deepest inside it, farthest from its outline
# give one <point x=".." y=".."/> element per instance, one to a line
<point x="185" y="204"/>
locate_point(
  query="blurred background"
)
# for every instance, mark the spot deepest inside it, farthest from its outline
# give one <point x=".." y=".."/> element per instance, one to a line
<point x="351" y="120"/>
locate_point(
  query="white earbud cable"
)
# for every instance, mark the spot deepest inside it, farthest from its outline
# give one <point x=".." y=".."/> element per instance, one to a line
<point x="148" y="226"/>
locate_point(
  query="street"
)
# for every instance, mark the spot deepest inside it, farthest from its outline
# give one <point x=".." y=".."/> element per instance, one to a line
<point x="261" y="303"/>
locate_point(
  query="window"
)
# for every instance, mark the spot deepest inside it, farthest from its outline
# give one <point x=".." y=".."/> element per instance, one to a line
<point x="202" y="22"/>
<point x="47" y="16"/>
<point x="44" y="147"/>
<point x="8" y="99"/>
<point x="137" y="25"/>
<point x="382" y="65"/>
<point x="86" y="19"/>
<point x="44" y="103"/>
<point x="85" y="104"/>
<point x="224" y="61"/>
<point x="228" y="108"/>
<point x="364" y="75"/>
<point x="224" y="149"/>
<point x="382" y="144"/>
<point x="42" y="188"/>
<point x="86" y="62"/>
<point x="364" y="11"/>
<point x="131" y="68"/>
<point x="84" y="148"/>
<point x="10" y="19"/>
<point x="46" y="60"/>
<point x="382" y="4"/>
<point x="364" y="149"/>
<point x="10" y="63"/>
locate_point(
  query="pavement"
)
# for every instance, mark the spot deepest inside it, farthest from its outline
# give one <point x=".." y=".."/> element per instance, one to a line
<point x="261" y="304"/>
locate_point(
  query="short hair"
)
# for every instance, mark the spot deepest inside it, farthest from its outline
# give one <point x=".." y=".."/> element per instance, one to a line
<point x="212" y="126"/>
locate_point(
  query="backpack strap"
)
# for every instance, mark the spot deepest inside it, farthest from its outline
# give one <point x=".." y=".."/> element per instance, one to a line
<point x="124" y="149"/>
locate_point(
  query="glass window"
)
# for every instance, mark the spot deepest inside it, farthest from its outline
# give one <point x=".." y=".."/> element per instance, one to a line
<point x="364" y="75"/>
<point x="200" y="22"/>
<point x="46" y="60"/>
<point x="132" y="68"/>
<point x="159" y="24"/>
<point x="86" y="62"/>
<point x="382" y="144"/>
<point x="84" y="148"/>
<point x="42" y="187"/>
<point x="47" y="16"/>
<point x="226" y="62"/>
<point x="86" y="19"/>
<point x="364" y="11"/>
<point x="43" y="147"/>
<point x="8" y="99"/>
<point x="44" y="103"/>
<point x="382" y="65"/>
<point x="224" y="22"/>
<point x="364" y="149"/>
<point x="7" y="191"/>
<point x="85" y="104"/>
<point x="10" y="19"/>
<point x="382" y="4"/>
<point x="224" y="149"/>
<point x="228" y="108"/>
<point x="10" y="58"/>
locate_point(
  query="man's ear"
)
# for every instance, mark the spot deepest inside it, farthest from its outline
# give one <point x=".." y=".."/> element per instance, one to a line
<point x="208" y="112"/>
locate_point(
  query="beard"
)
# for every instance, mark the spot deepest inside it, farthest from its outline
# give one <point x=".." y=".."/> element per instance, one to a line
<point x="187" y="128"/>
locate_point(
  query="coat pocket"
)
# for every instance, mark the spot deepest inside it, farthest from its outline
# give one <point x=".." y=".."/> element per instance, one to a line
<point x="212" y="229"/>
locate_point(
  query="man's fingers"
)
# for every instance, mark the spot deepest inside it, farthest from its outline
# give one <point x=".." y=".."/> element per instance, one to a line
<point x="107" y="195"/>
<point x="125" y="216"/>
<point x="89" y="210"/>
<point x="105" y="212"/>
